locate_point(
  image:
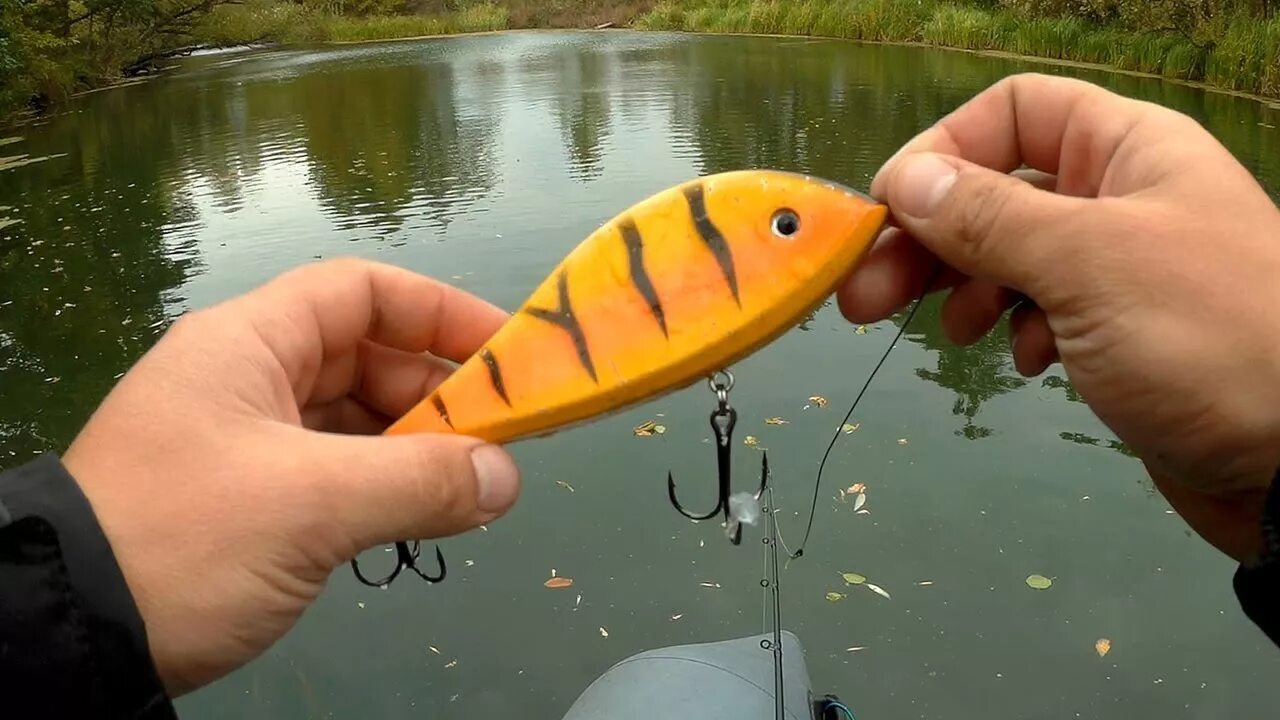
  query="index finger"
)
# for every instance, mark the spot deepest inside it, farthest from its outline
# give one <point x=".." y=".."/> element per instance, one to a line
<point x="323" y="310"/>
<point x="1061" y="126"/>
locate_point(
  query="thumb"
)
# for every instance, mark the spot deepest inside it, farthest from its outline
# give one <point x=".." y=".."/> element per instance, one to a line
<point x="986" y="224"/>
<point x="385" y="489"/>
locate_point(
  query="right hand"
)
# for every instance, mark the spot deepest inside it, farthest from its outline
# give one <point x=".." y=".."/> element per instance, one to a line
<point x="1136" y="250"/>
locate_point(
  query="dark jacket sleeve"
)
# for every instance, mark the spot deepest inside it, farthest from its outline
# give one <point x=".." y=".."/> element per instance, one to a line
<point x="72" y="643"/>
<point x="1257" y="584"/>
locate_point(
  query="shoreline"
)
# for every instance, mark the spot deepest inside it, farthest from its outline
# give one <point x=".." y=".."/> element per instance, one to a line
<point x="1267" y="100"/>
<point x="23" y="118"/>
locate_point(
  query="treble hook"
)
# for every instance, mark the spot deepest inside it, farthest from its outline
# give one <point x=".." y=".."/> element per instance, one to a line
<point x="723" y="419"/>
<point x="405" y="558"/>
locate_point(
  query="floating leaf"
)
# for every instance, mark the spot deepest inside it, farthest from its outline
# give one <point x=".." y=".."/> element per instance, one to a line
<point x="878" y="590"/>
<point x="775" y="421"/>
<point x="555" y="583"/>
<point x="603" y="632"/>
<point x="1038" y="582"/>
<point x="902" y="441"/>
<point x="853" y="578"/>
<point x="751" y="440"/>
<point x="818" y="400"/>
<point x="644" y="429"/>
<point x="850" y="429"/>
<point x="677" y="616"/>
<point x="856" y="488"/>
<point x="565" y="485"/>
<point x="660" y="429"/>
<point x="1103" y="646"/>
<point x="860" y="330"/>
<point x="835" y="596"/>
<point x="859" y="501"/>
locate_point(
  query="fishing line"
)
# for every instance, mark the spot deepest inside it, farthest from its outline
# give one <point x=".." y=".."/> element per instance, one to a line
<point x="772" y="581"/>
<point x="817" y="483"/>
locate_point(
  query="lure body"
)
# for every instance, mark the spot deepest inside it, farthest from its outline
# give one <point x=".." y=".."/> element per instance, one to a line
<point x="676" y="287"/>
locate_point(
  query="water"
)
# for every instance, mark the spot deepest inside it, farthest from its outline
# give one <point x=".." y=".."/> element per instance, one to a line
<point x="482" y="161"/>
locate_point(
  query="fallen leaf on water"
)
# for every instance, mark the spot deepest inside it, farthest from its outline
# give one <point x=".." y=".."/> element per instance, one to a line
<point x="751" y="440"/>
<point x="710" y="584"/>
<point x="677" y="616"/>
<point x="835" y="596"/>
<point x="660" y="429"/>
<point x="1038" y="582"/>
<point x="860" y="330"/>
<point x="644" y="429"/>
<point x="818" y="400"/>
<point x="603" y="632"/>
<point x="856" y="488"/>
<point x="433" y="649"/>
<point x="853" y="578"/>
<point x="451" y="663"/>
<point x="878" y="590"/>
<point x="555" y="583"/>
<point x="859" y="501"/>
<point x="850" y="429"/>
<point x="775" y="421"/>
<point x="857" y="648"/>
<point x="565" y="485"/>
<point x="1103" y="646"/>
<point x="902" y="441"/>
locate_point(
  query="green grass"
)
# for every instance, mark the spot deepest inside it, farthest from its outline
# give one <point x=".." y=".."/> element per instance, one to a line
<point x="1245" y="53"/>
<point x="337" y="28"/>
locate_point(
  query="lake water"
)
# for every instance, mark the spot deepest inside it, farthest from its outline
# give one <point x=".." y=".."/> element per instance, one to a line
<point x="482" y="161"/>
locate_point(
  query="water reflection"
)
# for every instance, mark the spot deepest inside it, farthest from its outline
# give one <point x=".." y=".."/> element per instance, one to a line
<point x="387" y="143"/>
<point x="582" y="109"/>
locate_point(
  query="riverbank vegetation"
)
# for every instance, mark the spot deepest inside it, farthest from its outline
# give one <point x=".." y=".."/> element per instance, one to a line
<point x="1232" y="44"/>
<point x="50" y="49"/>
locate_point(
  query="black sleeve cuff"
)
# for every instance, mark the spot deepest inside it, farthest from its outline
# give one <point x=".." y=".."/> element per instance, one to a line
<point x="1257" y="584"/>
<point x="72" y="642"/>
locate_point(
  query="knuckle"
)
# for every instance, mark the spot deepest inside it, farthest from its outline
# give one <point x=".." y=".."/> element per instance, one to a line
<point x="982" y="215"/>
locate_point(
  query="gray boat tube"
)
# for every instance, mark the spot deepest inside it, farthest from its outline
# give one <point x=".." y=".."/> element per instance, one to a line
<point x="725" y="680"/>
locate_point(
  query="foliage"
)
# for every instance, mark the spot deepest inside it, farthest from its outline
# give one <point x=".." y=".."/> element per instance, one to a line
<point x="51" y="48"/>
<point x="1229" y="43"/>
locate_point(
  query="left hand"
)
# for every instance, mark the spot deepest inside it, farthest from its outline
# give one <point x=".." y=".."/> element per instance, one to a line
<point x="227" y="467"/>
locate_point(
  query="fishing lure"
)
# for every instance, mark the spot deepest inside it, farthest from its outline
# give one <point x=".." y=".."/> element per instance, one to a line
<point x="671" y="291"/>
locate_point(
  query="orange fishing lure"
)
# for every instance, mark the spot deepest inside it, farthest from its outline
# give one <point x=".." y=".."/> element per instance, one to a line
<point x="675" y="288"/>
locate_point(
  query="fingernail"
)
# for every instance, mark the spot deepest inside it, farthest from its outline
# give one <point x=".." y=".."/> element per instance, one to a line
<point x="921" y="184"/>
<point x="497" y="479"/>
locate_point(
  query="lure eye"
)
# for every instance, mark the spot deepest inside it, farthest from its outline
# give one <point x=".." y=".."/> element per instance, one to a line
<point x="786" y="224"/>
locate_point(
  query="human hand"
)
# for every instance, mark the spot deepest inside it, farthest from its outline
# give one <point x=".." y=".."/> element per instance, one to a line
<point x="228" y="473"/>
<point x="1131" y="246"/>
